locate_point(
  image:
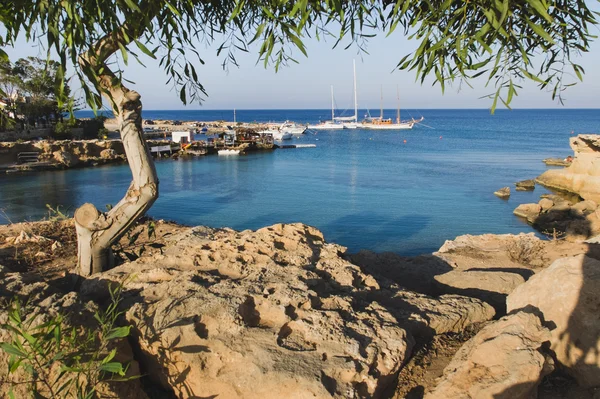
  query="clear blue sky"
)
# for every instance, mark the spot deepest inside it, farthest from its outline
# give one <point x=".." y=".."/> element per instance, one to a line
<point x="307" y="85"/>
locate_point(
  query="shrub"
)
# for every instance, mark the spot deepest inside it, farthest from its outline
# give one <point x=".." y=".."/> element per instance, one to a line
<point x="92" y="127"/>
<point x="62" y="130"/>
<point x="62" y="362"/>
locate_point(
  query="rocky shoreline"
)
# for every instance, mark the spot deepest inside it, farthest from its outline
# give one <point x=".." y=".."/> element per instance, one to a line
<point x="279" y="312"/>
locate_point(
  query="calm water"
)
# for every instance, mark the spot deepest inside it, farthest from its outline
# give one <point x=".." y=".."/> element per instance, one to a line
<point x="363" y="189"/>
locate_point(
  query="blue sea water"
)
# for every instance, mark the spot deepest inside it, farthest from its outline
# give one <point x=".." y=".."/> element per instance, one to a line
<point x="363" y="189"/>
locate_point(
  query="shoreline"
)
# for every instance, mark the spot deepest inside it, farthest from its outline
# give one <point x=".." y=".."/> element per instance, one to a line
<point x="434" y="289"/>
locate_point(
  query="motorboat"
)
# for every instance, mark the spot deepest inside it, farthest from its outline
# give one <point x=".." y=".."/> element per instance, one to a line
<point x="292" y="128"/>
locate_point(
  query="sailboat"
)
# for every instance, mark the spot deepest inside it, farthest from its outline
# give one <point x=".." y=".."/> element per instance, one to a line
<point x="379" y="123"/>
<point x="340" y="122"/>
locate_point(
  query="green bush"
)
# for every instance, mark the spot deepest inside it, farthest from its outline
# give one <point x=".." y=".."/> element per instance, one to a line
<point x="92" y="127"/>
<point x="63" y="130"/>
<point x="61" y="361"/>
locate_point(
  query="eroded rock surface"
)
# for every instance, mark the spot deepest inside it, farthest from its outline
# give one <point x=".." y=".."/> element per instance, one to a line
<point x="566" y="294"/>
<point x="487" y="267"/>
<point x="274" y="313"/>
<point x="39" y="302"/>
<point x="503" y="361"/>
<point x="583" y="175"/>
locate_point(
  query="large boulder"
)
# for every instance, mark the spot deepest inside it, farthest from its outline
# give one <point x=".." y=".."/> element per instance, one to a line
<point x="566" y="293"/>
<point x="528" y="211"/>
<point x="274" y="313"/>
<point x="487" y="266"/>
<point x="583" y="175"/>
<point x="503" y="361"/>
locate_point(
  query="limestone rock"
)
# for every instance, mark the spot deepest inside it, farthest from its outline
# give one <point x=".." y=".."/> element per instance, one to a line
<point x="528" y="211"/>
<point x="583" y="175"/>
<point x="109" y="153"/>
<point x="487" y="267"/>
<point x="586" y="206"/>
<point x="502" y="361"/>
<point x="566" y="293"/>
<point x="545" y="204"/>
<point x="504" y="192"/>
<point x="525" y="185"/>
<point x="39" y="302"/>
<point x="65" y="158"/>
<point x="274" y="313"/>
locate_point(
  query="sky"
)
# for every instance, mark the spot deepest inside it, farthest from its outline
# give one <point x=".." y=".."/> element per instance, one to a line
<point x="307" y="85"/>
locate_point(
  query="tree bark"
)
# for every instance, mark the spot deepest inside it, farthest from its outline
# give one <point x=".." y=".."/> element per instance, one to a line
<point x="98" y="231"/>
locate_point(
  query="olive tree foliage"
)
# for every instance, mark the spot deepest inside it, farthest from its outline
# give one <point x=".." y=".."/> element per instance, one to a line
<point x="455" y="39"/>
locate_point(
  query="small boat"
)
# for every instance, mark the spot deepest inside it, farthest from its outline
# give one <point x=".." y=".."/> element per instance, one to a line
<point x="229" y="152"/>
<point x="292" y="128"/>
<point x="278" y="134"/>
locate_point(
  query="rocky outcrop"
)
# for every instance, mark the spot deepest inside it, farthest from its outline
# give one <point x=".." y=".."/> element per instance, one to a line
<point x="487" y="267"/>
<point x="274" y="313"/>
<point x="525" y="185"/>
<point x="39" y="302"/>
<point x="503" y="361"/>
<point x="504" y="192"/>
<point x="65" y="158"/>
<point x="583" y="175"/>
<point x="566" y="294"/>
<point x="528" y="211"/>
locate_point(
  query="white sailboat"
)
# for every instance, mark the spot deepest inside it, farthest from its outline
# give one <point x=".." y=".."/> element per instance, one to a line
<point x="340" y="122"/>
<point x="387" y="124"/>
<point x="328" y="125"/>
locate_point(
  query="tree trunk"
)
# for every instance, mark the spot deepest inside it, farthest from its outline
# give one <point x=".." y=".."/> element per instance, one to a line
<point x="98" y="231"/>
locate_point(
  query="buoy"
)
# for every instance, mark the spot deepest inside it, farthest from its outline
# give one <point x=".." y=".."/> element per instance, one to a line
<point x="440" y="137"/>
<point x="404" y="141"/>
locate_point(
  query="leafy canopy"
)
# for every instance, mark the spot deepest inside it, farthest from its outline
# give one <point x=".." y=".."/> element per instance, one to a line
<point x="499" y="39"/>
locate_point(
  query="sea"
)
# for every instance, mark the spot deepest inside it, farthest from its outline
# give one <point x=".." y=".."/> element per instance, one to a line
<point x="400" y="191"/>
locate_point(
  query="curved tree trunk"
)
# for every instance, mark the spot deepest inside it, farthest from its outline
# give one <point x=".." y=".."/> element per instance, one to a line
<point x="98" y="231"/>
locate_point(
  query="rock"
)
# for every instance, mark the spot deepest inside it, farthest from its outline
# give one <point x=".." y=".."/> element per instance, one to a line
<point x="65" y="158"/>
<point x="274" y="313"/>
<point x="525" y="185"/>
<point x="487" y="267"/>
<point x="528" y="211"/>
<point x="585" y="206"/>
<point x="556" y="162"/>
<point x="56" y="245"/>
<point x="491" y="286"/>
<point x="546" y="204"/>
<point x="109" y="153"/>
<point x="583" y="175"/>
<point x="504" y="192"/>
<point x="40" y="302"/>
<point x="566" y="294"/>
<point x="503" y="361"/>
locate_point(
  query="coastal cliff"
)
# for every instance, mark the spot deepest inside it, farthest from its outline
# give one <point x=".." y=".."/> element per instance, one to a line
<point x="583" y="175"/>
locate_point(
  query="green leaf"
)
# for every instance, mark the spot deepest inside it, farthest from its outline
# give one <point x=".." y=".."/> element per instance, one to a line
<point x="110" y="356"/>
<point x="144" y="49"/>
<point x="113" y="367"/>
<point x="12" y="350"/>
<point x="119" y="332"/>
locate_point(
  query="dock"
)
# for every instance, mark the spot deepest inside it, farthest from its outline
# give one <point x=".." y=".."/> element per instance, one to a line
<point x="296" y="146"/>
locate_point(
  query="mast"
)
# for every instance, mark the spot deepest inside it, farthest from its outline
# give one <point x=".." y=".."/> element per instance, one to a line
<point x="398" y="94"/>
<point x="381" y="102"/>
<point x="355" y="99"/>
<point x="332" y="114"/>
<point x="234" y="115"/>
